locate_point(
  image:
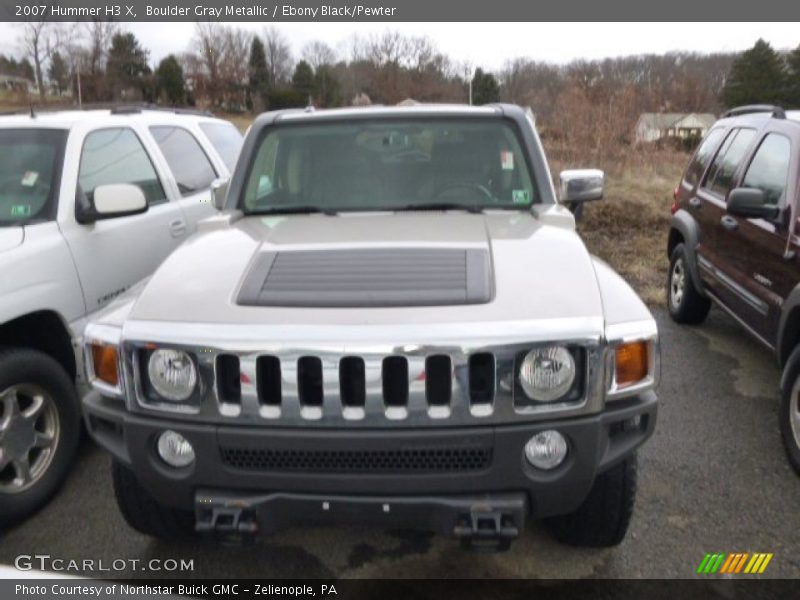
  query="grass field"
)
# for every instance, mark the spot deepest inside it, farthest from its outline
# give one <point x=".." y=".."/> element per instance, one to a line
<point x="629" y="227"/>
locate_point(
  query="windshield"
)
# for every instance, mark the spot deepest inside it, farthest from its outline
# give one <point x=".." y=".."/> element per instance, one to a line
<point x="29" y="160"/>
<point x="389" y="165"/>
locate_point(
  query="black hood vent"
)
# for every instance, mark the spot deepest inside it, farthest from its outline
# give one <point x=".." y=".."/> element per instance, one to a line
<point x="368" y="277"/>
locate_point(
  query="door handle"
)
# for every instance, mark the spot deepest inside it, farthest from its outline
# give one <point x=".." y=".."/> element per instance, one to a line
<point x="695" y="203"/>
<point x="177" y="227"/>
<point x="729" y="223"/>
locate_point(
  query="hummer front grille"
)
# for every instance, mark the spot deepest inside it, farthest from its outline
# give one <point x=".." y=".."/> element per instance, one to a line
<point x="375" y="387"/>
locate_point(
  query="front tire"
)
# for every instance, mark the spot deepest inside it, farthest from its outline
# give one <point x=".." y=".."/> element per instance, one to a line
<point x="144" y="513"/>
<point x="789" y="410"/>
<point x="39" y="431"/>
<point x="603" y="518"/>
<point x="684" y="302"/>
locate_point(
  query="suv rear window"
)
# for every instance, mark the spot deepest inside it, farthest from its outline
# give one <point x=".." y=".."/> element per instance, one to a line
<point x="30" y="160"/>
<point x="186" y="159"/>
<point x="226" y="139"/>
<point x="720" y="176"/>
<point x="390" y="164"/>
<point x="703" y="156"/>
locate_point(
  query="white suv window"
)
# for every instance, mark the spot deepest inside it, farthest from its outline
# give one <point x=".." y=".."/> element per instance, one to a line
<point x="116" y="155"/>
<point x="187" y="160"/>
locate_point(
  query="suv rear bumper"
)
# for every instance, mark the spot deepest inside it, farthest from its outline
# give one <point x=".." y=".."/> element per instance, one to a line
<point x="280" y="493"/>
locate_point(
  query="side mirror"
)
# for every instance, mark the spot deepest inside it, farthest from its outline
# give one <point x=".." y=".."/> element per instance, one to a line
<point x="581" y="185"/>
<point x="113" y="200"/>
<point x="751" y="203"/>
<point x="219" y="191"/>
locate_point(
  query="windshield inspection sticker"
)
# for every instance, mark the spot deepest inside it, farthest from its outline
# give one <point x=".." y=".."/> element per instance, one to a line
<point x="29" y="178"/>
<point x="520" y="196"/>
<point x="20" y="210"/>
<point x="507" y="160"/>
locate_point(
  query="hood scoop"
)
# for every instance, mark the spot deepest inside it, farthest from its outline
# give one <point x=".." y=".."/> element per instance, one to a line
<point x="368" y="277"/>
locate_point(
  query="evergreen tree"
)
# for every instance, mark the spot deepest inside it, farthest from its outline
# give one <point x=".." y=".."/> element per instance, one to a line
<point x="127" y="64"/>
<point x="303" y="79"/>
<point x="328" y="90"/>
<point x="257" y="76"/>
<point x="484" y="88"/>
<point x="793" y="79"/>
<point x="170" y="82"/>
<point x="757" y="76"/>
<point x="58" y="73"/>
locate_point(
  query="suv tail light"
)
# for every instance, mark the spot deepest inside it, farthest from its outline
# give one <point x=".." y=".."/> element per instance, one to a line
<point x="674" y="207"/>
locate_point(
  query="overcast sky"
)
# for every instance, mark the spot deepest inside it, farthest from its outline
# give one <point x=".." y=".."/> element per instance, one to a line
<point x="489" y="45"/>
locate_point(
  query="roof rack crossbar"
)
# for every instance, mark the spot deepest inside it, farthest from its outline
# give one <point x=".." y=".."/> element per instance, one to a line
<point x="775" y="111"/>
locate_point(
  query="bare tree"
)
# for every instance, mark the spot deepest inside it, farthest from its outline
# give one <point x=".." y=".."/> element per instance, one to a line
<point x="36" y="40"/>
<point x="209" y="48"/>
<point x="318" y="54"/>
<point x="279" y="56"/>
<point x="98" y="35"/>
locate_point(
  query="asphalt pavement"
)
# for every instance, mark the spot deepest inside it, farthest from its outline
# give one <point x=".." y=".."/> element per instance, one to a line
<point x="712" y="479"/>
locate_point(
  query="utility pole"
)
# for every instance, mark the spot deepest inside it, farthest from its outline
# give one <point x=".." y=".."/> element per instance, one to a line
<point x="468" y="77"/>
<point x="80" y="98"/>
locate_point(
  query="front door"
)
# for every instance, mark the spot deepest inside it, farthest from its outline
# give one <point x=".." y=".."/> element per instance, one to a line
<point x="111" y="255"/>
<point x="753" y="252"/>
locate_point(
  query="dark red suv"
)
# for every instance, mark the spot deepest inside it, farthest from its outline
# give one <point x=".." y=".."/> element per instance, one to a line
<point x="735" y="237"/>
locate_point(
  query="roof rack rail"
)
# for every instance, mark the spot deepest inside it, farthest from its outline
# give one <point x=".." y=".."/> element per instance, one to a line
<point x="776" y="111"/>
<point x="132" y="109"/>
<point x="116" y="108"/>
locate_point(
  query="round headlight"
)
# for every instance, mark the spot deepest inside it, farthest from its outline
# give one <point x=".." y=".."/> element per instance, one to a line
<point x="172" y="374"/>
<point x="547" y="374"/>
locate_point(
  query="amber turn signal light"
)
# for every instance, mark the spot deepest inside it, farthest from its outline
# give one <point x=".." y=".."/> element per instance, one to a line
<point x="632" y="363"/>
<point x="104" y="363"/>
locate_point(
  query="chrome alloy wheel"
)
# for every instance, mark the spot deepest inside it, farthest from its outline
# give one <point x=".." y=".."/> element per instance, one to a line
<point x="794" y="411"/>
<point x="29" y="431"/>
<point x="677" y="284"/>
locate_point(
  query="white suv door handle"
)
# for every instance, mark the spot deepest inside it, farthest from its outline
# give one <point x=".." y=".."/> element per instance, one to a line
<point x="177" y="227"/>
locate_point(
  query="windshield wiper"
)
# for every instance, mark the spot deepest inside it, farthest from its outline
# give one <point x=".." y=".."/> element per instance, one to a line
<point x="470" y="208"/>
<point x="303" y="209"/>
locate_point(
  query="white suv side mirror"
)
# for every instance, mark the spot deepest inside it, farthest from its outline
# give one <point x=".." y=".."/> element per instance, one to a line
<point x="219" y="190"/>
<point x="117" y="200"/>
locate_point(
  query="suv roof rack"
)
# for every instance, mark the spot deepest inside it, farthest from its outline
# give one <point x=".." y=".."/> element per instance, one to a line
<point x="116" y="108"/>
<point x="133" y="109"/>
<point x="776" y="111"/>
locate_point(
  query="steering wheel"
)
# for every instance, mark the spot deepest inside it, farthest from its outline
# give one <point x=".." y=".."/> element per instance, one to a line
<point x="464" y="185"/>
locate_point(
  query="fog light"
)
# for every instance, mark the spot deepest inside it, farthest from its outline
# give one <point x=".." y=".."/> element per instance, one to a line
<point x="175" y="450"/>
<point x="546" y="450"/>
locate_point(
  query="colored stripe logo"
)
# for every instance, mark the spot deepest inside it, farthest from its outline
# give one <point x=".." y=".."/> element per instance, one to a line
<point x="734" y="563"/>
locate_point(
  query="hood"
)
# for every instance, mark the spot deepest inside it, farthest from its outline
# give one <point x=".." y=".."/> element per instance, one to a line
<point x="11" y="237"/>
<point x="536" y="268"/>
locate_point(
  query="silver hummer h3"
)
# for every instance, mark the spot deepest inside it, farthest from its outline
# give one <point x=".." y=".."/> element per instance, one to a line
<point x="392" y="322"/>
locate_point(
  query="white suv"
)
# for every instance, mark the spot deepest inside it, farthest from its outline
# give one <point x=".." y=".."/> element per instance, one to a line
<point x="91" y="202"/>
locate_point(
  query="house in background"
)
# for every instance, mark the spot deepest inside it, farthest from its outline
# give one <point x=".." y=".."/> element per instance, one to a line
<point x="15" y="83"/>
<point x="656" y="126"/>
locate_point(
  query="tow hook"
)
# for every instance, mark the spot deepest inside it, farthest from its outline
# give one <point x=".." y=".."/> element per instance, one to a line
<point x="486" y="531"/>
<point x="231" y="523"/>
